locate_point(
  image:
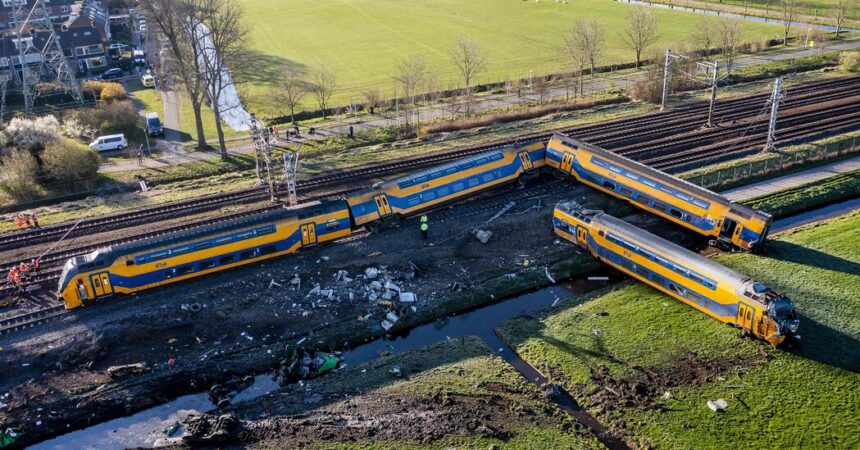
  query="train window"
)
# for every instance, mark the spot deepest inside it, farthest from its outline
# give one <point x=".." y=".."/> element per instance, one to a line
<point x="597" y="162"/>
<point x="442" y="192"/>
<point x="472" y="182"/>
<point x="667" y="190"/>
<point x="674" y="287"/>
<point x="609" y="185"/>
<point x="421" y="179"/>
<point x="414" y="200"/>
<point x="202" y="245"/>
<point x="245" y="235"/>
<point x="675" y="213"/>
<point x="180" y="250"/>
<point x="227" y="260"/>
<point x="450" y="170"/>
<point x="248" y="254"/>
<point x="265" y="230"/>
<point x="488" y="177"/>
<point x="687" y="218"/>
<point x="184" y="270"/>
<point x="684" y="196"/>
<point x="644" y="253"/>
<point x="96" y="282"/>
<point x="332" y="224"/>
<point x="169" y="273"/>
<point x="129" y="262"/>
<point x="660" y="206"/>
<point x="697" y="279"/>
<point x="223" y="240"/>
<point x="626" y="192"/>
<point x="268" y="250"/>
<point x="642" y="271"/>
<point x="615" y="168"/>
<point x="159" y="255"/>
<point x="642" y="199"/>
<point x="208" y="264"/>
<point x="700" y="203"/>
<point x="648" y="182"/>
<point x="427" y="196"/>
<point x="481" y="161"/>
<point x="600" y="233"/>
<point x="457" y="187"/>
<point x="658" y="279"/>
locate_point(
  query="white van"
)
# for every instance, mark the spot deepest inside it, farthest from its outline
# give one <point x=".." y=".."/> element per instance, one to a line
<point x="109" y="143"/>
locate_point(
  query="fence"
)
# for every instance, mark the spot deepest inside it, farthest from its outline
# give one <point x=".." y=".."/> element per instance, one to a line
<point x="729" y="176"/>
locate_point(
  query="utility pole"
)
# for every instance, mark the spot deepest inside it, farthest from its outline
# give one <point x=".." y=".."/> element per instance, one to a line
<point x="775" y="98"/>
<point x="255" y="139"/>
<point x="716" y="68"/>
<point x="262" y="145"/>
<point x="291" y="167"/>
<point x="666" y="71"/>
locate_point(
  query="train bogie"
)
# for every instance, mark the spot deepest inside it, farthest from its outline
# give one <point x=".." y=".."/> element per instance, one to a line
<point x="676" y="200"/>
<point x="689" y="277"/>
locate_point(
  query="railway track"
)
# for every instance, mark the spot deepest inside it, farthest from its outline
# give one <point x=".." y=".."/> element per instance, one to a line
<point x="31" y="319"/>
<point x="703" y="145"/>
<point x="613" y="135"/>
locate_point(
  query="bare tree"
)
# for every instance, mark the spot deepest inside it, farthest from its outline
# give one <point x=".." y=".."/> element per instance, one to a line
<point x="541" y="87"/>
<point x="224" y="37"/>
<point x="641" y="32"/>
<point x="789" y="11"/>
<point x="583" y="44"/>
<point x="729" y="35"/>
<point x="183" y="64"/>
<point x="470" y="61"/>
<point x="596" y="43"/>
<point x="704" y="35"/>
<point x="323" y="88"/>
<point x="840" y="13"/>
<point x="411" y="76"/>
<point x="373" y="98"/>
<point x="291" y="90"/>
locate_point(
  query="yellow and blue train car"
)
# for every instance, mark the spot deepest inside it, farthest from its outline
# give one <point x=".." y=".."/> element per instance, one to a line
<point x="445" y="183"/>
<point x="130" y="268"/>
<point x="679" y="201"/>
<point x="689" y="277"/>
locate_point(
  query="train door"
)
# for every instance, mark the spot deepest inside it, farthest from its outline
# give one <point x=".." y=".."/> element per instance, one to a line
<point x="526" y="161"/>
<point x="309" y="234"/>
<point x="567" y="162"/>
<point x="581" y="236"/>
<point x="728" y="229"/>
<point x="745" y="317"/>
<point x="101" y="284"/>
<point x="382" y="205"/>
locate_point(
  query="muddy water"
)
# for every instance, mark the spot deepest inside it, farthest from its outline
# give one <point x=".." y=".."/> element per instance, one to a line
<point x="146" y="427"/>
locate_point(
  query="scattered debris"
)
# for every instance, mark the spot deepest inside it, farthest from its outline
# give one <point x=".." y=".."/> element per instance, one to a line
<point x="396" y="371"/>
<point x="371" y="272"/>
<point x="274" y="283"/>
<point x="549" y="276"/>
<point x="717" y="405"/>
<point x="208" y="428"/>
<point x="407" y="297"/>
<point x="172" y="429"/>
<point x="667" y="395"/>
<point x="483" y="235"/>
<point x="598" y="278"/>
<point x="302" y="365"/>
<point x="220" y="394"/>
<point x="501" y="212"/>
<point x="126" y="370"/>
<point x="601" y="313"/>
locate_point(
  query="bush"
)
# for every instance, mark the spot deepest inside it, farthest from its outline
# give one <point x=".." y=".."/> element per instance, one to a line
<point x="32" y="134"/>
<point x="106" y="118"/>
<point x="850" y="61"/>
<point x="68" y="161"/>
<point x="113" y="92"/>
<point x="19" y="170"/>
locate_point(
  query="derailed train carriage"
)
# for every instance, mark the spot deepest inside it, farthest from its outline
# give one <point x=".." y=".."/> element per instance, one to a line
<point x="707" y="286"/>
<point x="679" y="201"/>
<point x="135" y="267"/>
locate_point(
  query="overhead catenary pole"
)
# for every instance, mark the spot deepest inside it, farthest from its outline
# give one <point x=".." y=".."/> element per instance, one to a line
<point x="666" y="71"/>
<point x="713" y="103"/>
<point x="775" y="98"/>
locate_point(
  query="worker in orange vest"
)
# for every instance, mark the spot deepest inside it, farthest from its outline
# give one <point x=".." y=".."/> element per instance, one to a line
<point x="35" y="219"/>
<point x="34" y="263"/>
<point x="19" y="222"/>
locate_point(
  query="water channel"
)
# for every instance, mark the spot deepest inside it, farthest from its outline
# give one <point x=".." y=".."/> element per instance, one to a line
<point x="144" y="428"/>
<point x="712" y="12"/>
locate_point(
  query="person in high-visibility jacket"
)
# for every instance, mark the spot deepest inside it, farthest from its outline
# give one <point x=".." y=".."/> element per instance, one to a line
<point x="424" y="228"/>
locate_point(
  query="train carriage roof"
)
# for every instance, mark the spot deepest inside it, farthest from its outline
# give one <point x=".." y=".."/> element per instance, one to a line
<point x="681" y="255"/>
<point x="662" y="177"/>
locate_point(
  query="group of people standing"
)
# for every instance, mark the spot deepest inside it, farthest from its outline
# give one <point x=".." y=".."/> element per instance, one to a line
<point x="31" y="220"/>
<point x="18" y="275"/>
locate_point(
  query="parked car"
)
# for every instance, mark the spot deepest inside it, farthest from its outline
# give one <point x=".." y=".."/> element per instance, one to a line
<point x="147" y="80"/>
<point x="112" y="74"/>
<point x="138" y="57"/>
<point x="153" y="124"/>
<point x="112" y="142"/>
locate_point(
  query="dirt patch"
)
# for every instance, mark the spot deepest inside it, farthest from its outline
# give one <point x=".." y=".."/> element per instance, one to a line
<point x="650" y="385"/>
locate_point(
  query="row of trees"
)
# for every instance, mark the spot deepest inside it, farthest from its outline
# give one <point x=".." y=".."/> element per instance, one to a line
<point x="206" y="40"/>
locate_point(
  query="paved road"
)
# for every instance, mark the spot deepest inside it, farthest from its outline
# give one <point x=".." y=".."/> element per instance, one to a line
<point x="341" y="126"/>
<point x="794" y="179"/>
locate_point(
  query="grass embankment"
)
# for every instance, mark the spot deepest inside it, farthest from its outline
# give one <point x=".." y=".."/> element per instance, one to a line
<point x="372" y="35"/>
<point x="808" y="196"/>
<point x="454" y="375"/>
<point x="803" y="398"/>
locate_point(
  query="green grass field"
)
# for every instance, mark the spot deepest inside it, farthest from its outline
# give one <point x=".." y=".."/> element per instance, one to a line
<point x="804" y="398"/>
<point x="361" y="40"/>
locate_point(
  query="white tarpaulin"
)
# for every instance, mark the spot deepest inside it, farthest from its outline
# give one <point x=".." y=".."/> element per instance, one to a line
<point x="232" y="112"/>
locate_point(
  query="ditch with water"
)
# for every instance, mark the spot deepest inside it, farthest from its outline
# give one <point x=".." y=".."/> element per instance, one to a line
<point x="144" y="428"/>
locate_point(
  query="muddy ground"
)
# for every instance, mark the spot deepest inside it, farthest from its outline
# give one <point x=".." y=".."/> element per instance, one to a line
<point x="247" y="320"/>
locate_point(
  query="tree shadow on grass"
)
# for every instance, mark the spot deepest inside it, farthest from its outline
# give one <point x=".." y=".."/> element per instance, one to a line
<point x="827" y="345"/>
<point x="798" y="254"/>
